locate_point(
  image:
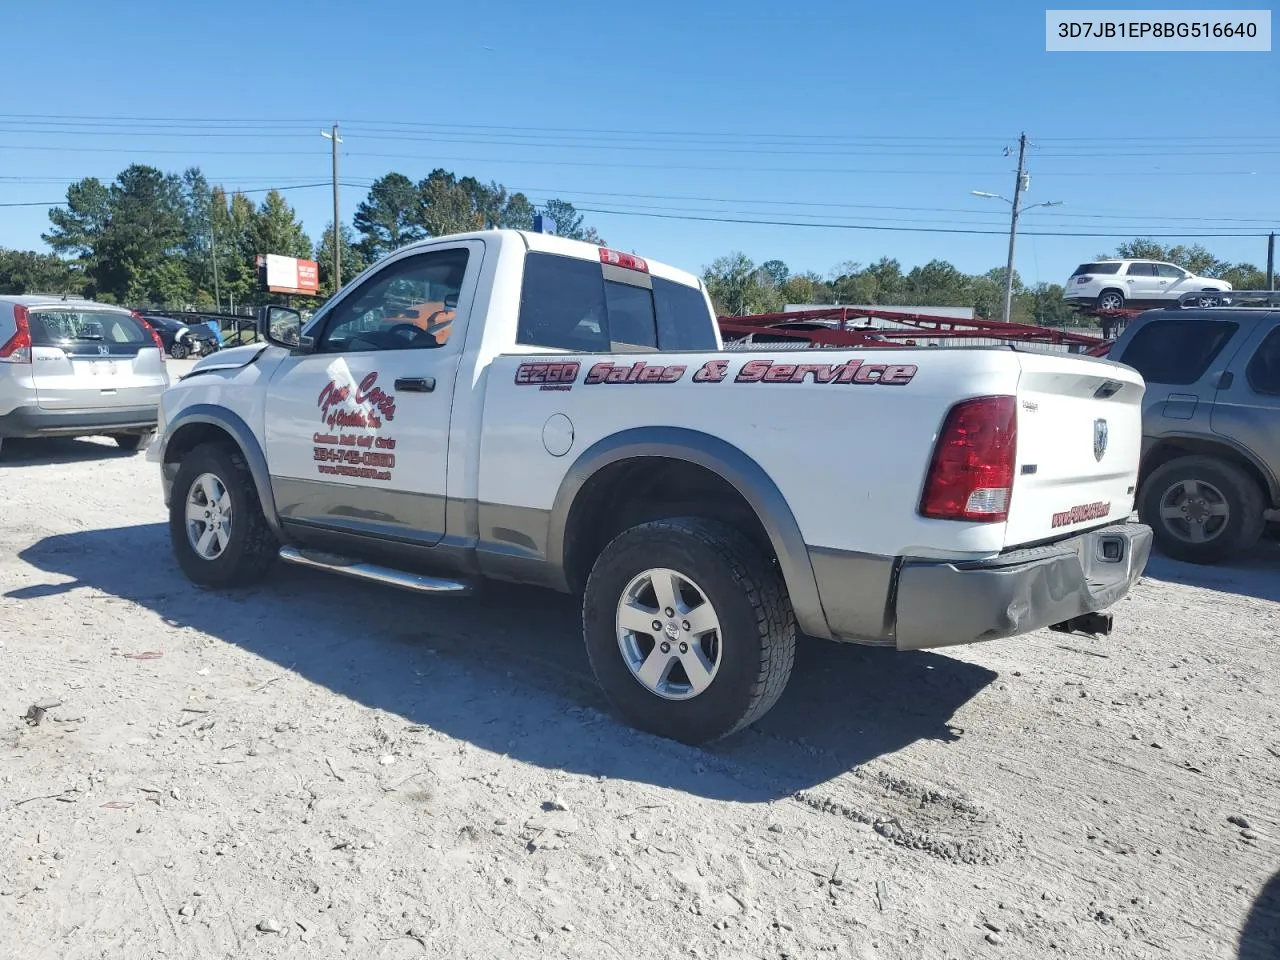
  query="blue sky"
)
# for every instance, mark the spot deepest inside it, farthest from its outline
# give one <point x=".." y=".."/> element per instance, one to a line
<point x="878" y="115"/>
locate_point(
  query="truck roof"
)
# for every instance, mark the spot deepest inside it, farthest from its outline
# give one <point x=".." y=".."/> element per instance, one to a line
<point x="549" y="243"/>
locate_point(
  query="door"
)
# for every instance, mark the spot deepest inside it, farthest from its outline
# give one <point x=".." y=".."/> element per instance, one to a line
<point x="1141" y="285"/>
<point x="1246" y="408"/>
<point x="358" y="430"/>
<point x="1182" y="360"/>
<point x="87" y="359"/>
<point x="1172" y="281"/>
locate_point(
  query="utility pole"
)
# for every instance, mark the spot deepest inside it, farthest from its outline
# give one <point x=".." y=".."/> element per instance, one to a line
<point x="213" y="250"/>
<point x="337" y="232"/>
<point x="1018" y="186"/>
<point x="1271" y="262"/>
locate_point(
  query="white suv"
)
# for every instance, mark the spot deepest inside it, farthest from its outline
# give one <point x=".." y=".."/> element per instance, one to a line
<point x="77" y="368"/>
<point x="1119" y="284"/>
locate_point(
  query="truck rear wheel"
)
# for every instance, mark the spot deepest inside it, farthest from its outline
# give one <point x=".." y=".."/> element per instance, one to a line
<point x="218" y="531"/>
<point x="1202" y="509"/>
<point x="688" y="628"/>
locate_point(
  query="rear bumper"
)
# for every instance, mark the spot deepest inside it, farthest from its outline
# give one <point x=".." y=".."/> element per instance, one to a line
<point x="941" y="604"/>
<point x="915" y="604"/>
<point x="38" y="422"/>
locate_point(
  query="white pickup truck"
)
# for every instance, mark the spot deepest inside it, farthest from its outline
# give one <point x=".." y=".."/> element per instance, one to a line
<point x="527" y="408"/>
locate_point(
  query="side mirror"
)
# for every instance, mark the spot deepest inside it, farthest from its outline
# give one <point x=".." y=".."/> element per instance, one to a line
<point x="282" y="326"/>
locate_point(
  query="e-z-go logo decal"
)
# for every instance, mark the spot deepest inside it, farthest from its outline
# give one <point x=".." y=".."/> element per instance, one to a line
<point x="548" y="376"/>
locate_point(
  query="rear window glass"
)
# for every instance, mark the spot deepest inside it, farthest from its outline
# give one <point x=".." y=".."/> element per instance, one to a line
<point x="1095" y="268"/>
<point x="50" y="327"/>
<point x="684" y="322"/>
<point x="562" y="304"/>
<point x="1141" y="270"/>
<point x="1177" y="351"/>
<point x="630" y="317"/>
<point x="567" y="304"/>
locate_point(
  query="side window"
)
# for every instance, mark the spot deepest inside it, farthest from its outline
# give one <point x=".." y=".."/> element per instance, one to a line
<point x="684" y="322"/>
<point x="562" y="305"/>
<point x="1177" y="352"/>
<point x="1263" y="372"/>
<point x="1169" y="271"/>
<point x="410" y="305"/>
<point x="1141" y="270"/>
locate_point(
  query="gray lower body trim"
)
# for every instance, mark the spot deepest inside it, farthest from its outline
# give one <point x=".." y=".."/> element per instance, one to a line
<point x="39" y="422"/>
<point x="919" y="604"/>
<point x="368" y="511"/>
<point x="857" y="591"/>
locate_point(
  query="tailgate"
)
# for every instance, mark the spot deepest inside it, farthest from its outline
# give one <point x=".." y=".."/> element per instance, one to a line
<point x="85" y="360"/>
<point x="1079" y="444"/>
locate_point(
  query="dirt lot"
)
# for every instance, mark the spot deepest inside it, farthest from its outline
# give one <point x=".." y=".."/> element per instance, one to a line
<point x="318" y="768"/>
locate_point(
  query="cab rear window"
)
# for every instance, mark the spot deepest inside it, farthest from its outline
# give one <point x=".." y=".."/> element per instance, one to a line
<point x="568" y="304"/>
<point x="52" y="327"/>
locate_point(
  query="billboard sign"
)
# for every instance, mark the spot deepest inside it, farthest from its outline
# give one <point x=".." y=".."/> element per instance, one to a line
<point x="289" y="274"/>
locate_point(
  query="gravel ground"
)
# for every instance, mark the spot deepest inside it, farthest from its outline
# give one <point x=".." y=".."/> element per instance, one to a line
<point x="320" y="768"/>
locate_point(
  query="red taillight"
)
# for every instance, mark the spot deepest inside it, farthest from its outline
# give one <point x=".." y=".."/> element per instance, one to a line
<point x="625" y="260"/>
<point x="17" y="349"/>
<point x="149" y="328"/>
<point x="971" y="475"/>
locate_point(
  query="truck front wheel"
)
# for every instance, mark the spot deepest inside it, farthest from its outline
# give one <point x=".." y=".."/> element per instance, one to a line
<point x="216" y="524"/>
<point x="688" y="628"/>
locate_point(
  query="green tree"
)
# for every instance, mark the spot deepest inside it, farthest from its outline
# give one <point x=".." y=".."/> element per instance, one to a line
<point x="390" y="216"/>
<point x="568" y="219"/>
<point x="237" y="268"/>
<point x="739" y="288"/>
<point x="197" y="198"/>
<point x="1244" y="276"/>
<point x="275" y="229"/>
<point x="353" y="258"/>
<point x="1195" y="258"/>
<point x="25" y="271"/>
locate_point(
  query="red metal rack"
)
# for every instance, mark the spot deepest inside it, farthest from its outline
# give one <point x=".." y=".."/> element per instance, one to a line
<point x="851" y="327"/>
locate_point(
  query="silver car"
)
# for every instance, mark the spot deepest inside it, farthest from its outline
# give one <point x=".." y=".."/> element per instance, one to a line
<point x="75" y="368"/>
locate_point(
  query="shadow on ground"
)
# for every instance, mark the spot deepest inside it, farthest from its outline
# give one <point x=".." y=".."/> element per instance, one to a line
<point x="1255" y="574"/>
<point x="1260" y="938"/>
<point x="507" y="671"/>
<point x="46" y="451"/>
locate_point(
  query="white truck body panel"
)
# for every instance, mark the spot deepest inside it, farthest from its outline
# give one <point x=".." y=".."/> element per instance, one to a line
<point x="846" y="436"/>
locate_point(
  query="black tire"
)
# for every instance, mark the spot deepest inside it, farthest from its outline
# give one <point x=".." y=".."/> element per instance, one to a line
<point x="178" y="351"/>
<point x="1239" y="492"/>
<point x="756" y="639"/>
<point x="133" y="442"/>
<point x="251" y="549"/>
<point x="1117" y="296"/>
<point x="1210" y="298"/>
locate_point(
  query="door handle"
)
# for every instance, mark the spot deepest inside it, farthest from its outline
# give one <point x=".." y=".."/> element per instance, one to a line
<point x="416" y="384"/>
<point x="1226" y="380"/>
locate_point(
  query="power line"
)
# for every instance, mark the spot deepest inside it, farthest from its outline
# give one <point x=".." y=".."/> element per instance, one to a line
<point x="873" y="227"/>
